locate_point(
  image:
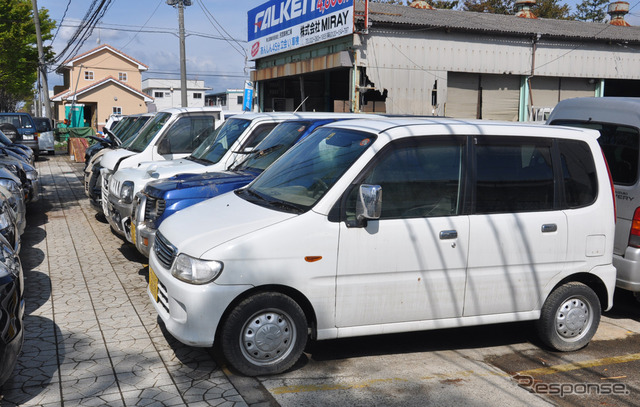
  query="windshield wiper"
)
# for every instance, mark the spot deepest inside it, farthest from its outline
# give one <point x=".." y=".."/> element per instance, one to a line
<point x="198" y="160"/>
<point x="276" y="203"/>
<point x="286" y="205"/>
<point x="255" y="194"/>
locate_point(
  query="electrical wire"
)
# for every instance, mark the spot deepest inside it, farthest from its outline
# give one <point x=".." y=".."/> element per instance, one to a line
<point x="210" y="17"/>
<point x="143" y="26"/>
<point x="153" y="30"/>
<point x="61" y="21"/>
<point x="91" y="18"/>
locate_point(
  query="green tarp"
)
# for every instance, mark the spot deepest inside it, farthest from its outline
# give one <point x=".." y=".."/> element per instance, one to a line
<point x="63" y="133"/>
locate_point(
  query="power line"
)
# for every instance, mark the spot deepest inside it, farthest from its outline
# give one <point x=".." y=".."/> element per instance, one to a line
<point x="157" y="30"/>
<point x="143" y="25"/>
<point x="93" y="15"/>
<point x="61" y="21"/>
<point x="210" y="17"/>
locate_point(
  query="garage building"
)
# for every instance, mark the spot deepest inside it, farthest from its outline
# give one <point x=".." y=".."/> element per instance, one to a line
<point x="406" y="60"/>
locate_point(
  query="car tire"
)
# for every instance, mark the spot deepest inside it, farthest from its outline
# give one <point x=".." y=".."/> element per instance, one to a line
<point x="264" y="334"/>
<point x="569" y="317"/>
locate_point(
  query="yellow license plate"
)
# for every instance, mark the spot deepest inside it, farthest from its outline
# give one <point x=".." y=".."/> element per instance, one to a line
<point x="133" y="233"/>
<point x="153" y="284"/>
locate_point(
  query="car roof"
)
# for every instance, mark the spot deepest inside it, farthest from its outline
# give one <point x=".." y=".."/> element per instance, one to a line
<point x="619" y="110"/>
<point x="300" y="115"/>
<point x="177" y="110"/>
<point x="440" y="126"/>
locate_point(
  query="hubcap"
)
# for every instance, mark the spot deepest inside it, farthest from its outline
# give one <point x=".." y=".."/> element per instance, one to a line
<point x="268" y="337"/>
<point x="573" y="318"/>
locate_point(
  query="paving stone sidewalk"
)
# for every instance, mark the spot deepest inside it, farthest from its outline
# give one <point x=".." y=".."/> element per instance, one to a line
<point x="92" y="336"/>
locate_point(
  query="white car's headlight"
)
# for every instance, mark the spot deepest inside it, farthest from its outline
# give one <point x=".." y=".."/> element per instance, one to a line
<point x="126" y="192"/>
<point x="32" y="175"/>
<point x="195" y="271"/>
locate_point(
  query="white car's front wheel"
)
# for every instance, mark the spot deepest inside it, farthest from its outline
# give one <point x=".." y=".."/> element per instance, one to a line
<point x="265" y="334"/>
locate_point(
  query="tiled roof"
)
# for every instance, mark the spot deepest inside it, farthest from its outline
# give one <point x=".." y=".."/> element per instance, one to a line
<point x="388" y="14"/>
<point x="91" y="51"/>
<point x="69" y="94"/>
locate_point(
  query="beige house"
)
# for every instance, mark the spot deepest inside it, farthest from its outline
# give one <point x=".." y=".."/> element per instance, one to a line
<point x="97" y="84"/>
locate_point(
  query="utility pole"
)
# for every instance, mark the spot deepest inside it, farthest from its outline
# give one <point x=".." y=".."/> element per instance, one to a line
<point x="44" y="90"/>
<point x="181" y="4"/>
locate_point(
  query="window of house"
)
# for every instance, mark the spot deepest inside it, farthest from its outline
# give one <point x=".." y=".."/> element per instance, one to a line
<point x="167" y="94"/>
<point x="122" y="76"/>
<point x="197" y="95"/>
<point x="117" y="110"/>
<point x="88" y="75"/>
<point x="239" y="100"/>
<point x="158" y="94"/>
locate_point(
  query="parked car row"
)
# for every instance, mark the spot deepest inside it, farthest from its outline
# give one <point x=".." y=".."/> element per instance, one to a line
<point x="278" y="227"/>
<point x="19" y="185"/>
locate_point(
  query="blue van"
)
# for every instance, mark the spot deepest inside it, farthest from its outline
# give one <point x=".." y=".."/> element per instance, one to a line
<point x="161" y="198"/>
<point x="26" y="128"/>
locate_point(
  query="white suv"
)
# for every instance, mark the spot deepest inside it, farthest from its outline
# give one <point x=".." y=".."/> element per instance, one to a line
<point x="393" y="225"/>
<point x="170" y="134"/>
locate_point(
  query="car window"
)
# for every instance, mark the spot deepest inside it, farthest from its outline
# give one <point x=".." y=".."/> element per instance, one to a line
<point x="42" y="125"/>
<point x="309" y="169"/>
<point x="216" y="145"/>
<point x="513" y="175"/>
<point x="142" y="140"/>
<point x="20" y="121"/>
<point x="258" y="134"/>
<point x="418" y="179"/>
<point x="621" y="147"/>
<point x="183" y="132"/>
<point x="579" y="173"/>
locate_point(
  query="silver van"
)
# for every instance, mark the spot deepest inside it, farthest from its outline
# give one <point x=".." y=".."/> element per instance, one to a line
<point x="618" y="121"/>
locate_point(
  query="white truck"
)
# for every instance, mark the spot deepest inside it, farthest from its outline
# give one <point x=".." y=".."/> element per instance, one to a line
<point x="171" y="134"/>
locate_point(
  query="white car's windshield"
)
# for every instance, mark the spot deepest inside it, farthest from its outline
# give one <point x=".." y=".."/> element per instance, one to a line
<point x="308" y="170"/>
<point x="214" y="147"/>
<point x="142" y="140"/>
<point x="281" y="138"/>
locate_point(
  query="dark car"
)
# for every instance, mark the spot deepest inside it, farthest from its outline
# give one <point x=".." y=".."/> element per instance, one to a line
<point x="8" y="136"/>
<point x="11" y="309"/>
<point x="26" y="128"/>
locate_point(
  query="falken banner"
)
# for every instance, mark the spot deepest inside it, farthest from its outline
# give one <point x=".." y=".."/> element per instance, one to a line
<point x="283" y="25"/>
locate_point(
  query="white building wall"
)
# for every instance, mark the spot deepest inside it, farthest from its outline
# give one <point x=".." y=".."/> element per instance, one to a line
<point x="170" y="89"/>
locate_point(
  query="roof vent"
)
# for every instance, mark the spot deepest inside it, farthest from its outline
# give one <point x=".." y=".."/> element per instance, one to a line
<point x="423" y="4"/>
<point x="617" y="10"/>
<point x="524" y="8"/>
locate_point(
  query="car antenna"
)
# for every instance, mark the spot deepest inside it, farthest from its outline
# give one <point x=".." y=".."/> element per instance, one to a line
<point x="300" y="105"/>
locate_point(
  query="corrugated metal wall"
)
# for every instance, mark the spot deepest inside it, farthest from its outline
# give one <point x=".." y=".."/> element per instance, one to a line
<point x="408" y="64"/>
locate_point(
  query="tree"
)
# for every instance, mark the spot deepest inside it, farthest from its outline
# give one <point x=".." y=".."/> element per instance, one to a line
<point x="490" y="6"/>
<point x="445" y="4"/>
<point x="551" y="9"/>
<point x="591" y="10"/>
<point x="18" y="51"/>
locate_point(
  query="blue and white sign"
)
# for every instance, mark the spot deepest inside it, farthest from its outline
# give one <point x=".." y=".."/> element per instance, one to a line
<point x="247" y="104"/>
<point x="283" y="25"/>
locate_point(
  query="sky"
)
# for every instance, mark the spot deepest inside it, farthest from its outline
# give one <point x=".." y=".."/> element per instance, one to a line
<point x="219" y="63"/>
